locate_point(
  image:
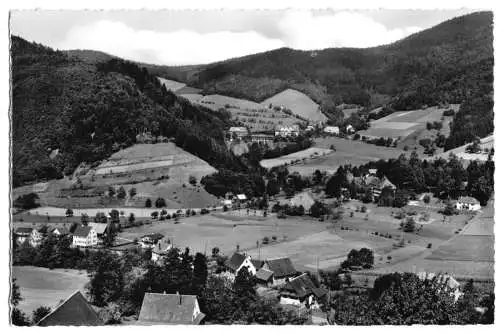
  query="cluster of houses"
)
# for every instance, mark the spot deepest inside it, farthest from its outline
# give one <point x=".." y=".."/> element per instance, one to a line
<point x="92" y="235"/>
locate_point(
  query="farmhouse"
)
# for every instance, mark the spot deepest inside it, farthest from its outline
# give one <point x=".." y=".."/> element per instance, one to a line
<point x="237" y="133"/>
<point x="349" y="129"/>
<point x="262" y="138"/>
<point x="170" y="309"/>
<point x="331" y="130"/>
<point x="282" y="269"/>
<point x="378" y="184"/>
<point x="303" y="199"/>
<point x="75" y="311"/>
<point x="60" y="231"/>
<point x="84" y="237"/>
<point x="33" y="236"/>
<point x="100" y="229"/>
<point x="467" y="203"/>
<point x="301" y="291"/>
<point x="160" y="249"/>
<point x="238" y="261"/>
<point x="287" y="131"/>
<point x="148" y="241"/>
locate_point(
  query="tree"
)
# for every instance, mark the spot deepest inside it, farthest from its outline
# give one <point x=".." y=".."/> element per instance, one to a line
<point x="200" y="272"/>
<point x="131" y="218"/>
<point x="317" y="177"/>
<point x="132" y="192"/>
<point x="111" y="191"/>
<point x="106" y="279"/>
<point x="148" y="203"/>
<point x="154" y="215"/>
<point x="27" y="201"/>
<point x="121" y="194"/>
<point x="192" y="180"/>
<point x="15" y="294"/>
<point x="39" y="313"/>
<point x="272" y="187"/>
<point x="160" y="202"/>
<point x="244" y="283"/>
<point x="215" y="251"/>
<point x="19" y="318"/>
<point x="84" y="219"/>
<point x="318" y="209"/>
<point x="427" y="199"/>
<point x="110" y="235"/>
<point x="409" y="225"/>
<point x="69" y="212"/>
<point x="100" y="217"/>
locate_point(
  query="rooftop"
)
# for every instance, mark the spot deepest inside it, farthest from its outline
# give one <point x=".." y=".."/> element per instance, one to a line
<point x="281" y="267"/>
<point x="169" y="309"/>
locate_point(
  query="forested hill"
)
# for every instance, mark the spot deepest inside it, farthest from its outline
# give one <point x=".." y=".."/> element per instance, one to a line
<point x="445" y="63"/>
<point x="89" y="110"/>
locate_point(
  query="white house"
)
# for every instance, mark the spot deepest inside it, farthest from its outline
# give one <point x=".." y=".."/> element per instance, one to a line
<point x="331" y="130"/>
<point x="349" y="129"/>
<point x="84" y="237"/>
<point x="161" y="248"/>
<point x="286" y="131"/>
<point x="33" y="236"/>
<point x="467" y="203"/>
<point x="238" y="261"/>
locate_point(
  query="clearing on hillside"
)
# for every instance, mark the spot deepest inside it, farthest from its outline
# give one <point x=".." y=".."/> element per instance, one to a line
<point x="171" y="85"/>
<point x="346" y="152"/>
<point x="299" y="103"/>
<point x="294" y="157"/>
<point x="251" y="114"/>
<point x="154" y="170"/>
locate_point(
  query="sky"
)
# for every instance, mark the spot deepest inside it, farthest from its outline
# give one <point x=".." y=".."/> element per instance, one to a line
<point x="176" y="37"/>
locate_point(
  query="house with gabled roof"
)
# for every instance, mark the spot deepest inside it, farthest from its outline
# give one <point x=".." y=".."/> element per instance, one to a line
<point x="467" y="203"/>
<point x="238" y="261"/>
<point x="264" y="277"/>
<point x="74" y="311"/>
<point x="84" y="237"/>
<point x="160" y="249"/>
<point x="27" y="234"/>
<point x="60" y="231"/>
<point x="282" y="269"/>
<point x="302" y="291"/>
<point x="170" y="309"/>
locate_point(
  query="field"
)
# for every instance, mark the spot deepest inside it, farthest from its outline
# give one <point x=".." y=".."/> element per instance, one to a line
<point x="227" y="230"/>
<point x="154" y="170"/>
<point x="401" y="125"/>
<point x="299" y="103"/>
<point x="346" y="152"/>
<point x="288" y="159"/>
<point x="486" y="143"/>
<point x="44" y="287"/>
<point x="253" y="115"/>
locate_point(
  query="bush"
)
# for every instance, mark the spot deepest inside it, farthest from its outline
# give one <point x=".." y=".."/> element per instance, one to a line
<point x="192" y="180"/>
<point x="363" y="209"/>
<point x="427" y="199"/>
<point x="205" y="211"/>
<point x="27" y="201"/>
<point x="265" y="240"/>
<point x="225" y="209"/>
<point x="429" y="245"/>
<point x="274" y="238"/>
<point x="160" y="202"/>
<point x="148" y="203"/>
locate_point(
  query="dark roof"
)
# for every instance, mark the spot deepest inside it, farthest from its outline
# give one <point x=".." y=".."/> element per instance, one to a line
<point x="82" y="231"/>
<point x="75" y="311"/>
<point x="24" y="230"/>
<point x="263" y="274"/>
<point x="257" y="263"/>
<point x="281" y="267"/>
<point x="169" y="309"/>
<point x="468" y="200"/>
<point x="302" y="286"/>
<point x="235" y="261"/>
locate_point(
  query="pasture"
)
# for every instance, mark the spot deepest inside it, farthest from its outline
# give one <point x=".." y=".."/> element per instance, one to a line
<point x="43" y="287"/>
<point x="313" y="152"/>
<point x="299" y="103"/>
<point x="227" y="230"/>
<point x="400" y="125"/>
<point x="346" y="152"/>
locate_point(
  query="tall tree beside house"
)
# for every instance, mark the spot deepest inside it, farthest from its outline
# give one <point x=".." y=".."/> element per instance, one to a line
<point x="110" y="235"/>
<point x="39" y="313"/>
<point x="244" y="282"/>
<point x="336" y="182"/>
<point x="200" y="272"/>
<point x="106" y="279"/>
<point x="69" y="212"/>
<point x="84" y="219"/>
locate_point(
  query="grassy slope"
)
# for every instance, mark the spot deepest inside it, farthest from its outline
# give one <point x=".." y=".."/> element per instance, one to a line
<point x="299" y="103"/>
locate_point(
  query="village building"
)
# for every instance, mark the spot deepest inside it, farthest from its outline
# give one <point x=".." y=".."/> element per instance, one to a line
<point x="60" y="231"/>
<point x="100" y="229"/>
<point x="282" y="269"/>
<point x="237" y="133"/>
<point x="160" y="249"/>
<point x="332" y="130"/>
<point x="170" y="309"/>
<point x="468" y="203"/>
<point x="148" y="241"/>
<point x="30" y="235"/>
<point x="301" y="291"/>
<point x="75" y="311"/>
<point x="287" y="131"/>
<point x="264" y="277"/>
<point x="238" y="261"/>
<point x="303" y="199"/>
<point x="310" y="128"/>
<point x="262" y="138"/>
<point x="84" y="237"/>
<point x="349" y="129"/>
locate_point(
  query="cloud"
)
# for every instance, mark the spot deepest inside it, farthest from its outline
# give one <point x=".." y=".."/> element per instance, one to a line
<point x="173" y="48"/>
<point x="302" y="30"/>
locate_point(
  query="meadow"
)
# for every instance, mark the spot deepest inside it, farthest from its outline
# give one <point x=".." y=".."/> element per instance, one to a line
<point x="299" y="103"/>
<point x="313" y="152"/>
<point x="43" y="287"/>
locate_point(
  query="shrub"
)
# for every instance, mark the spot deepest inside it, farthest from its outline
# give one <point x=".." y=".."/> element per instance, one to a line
<point x="192" y="180"/>
<point x="265" y="240"/>
<point x="274" y="238"/>
<point x="225" y="209"/>
<point x="148" y="203"/>
<point x="363" y="209"/>
<point x="427" y="199"/>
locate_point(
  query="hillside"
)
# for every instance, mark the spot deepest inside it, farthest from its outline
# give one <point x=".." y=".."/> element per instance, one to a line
<point x="299" y="103"/>
<point x="66" y="111"/>
<point x="445" y="63"/>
